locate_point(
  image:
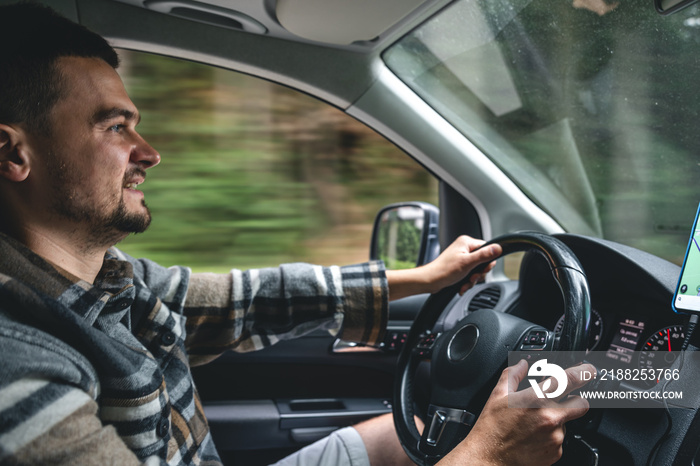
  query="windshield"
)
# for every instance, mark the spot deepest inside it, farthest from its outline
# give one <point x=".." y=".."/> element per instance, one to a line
<point x="590" y="107"/>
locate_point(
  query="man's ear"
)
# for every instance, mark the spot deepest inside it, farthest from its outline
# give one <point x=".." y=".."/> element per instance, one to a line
<point x="14" y="160"/>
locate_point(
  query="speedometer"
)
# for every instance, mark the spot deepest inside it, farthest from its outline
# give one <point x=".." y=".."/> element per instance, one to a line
<point x="661" y="348"/>
<point x="596" y="331"/>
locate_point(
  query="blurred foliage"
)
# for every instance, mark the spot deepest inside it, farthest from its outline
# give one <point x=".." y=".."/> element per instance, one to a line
<point x="398" y="241"/>
<point x="254" y="174"/>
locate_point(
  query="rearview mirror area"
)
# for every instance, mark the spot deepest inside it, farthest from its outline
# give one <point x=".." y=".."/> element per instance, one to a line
<point x="405" y="235"/>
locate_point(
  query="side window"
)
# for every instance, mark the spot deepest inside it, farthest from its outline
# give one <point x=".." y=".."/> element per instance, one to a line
<point x="254" y="174"/>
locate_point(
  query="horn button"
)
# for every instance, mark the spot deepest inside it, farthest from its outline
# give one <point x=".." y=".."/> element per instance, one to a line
<point x="463" y="342"/>
<point x="473" y="351"/>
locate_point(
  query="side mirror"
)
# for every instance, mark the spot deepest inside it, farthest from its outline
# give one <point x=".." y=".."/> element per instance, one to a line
<point x="405" y="235"/>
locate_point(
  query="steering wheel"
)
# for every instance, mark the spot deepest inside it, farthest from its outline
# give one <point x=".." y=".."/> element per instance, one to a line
<point x="466" y="361"/>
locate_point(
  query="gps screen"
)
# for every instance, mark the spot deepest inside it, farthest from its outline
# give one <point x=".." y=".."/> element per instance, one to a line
<point x="687" y="297"/>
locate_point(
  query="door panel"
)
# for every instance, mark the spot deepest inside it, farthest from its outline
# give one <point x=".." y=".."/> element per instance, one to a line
<point x="266" y="404"/>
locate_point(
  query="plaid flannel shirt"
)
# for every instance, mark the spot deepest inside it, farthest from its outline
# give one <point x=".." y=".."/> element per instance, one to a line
<point x="99" y="374"/>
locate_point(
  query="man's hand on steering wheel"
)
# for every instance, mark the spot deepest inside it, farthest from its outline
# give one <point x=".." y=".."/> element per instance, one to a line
<point x="505" y="435"/>
<point x="453" y="264"/>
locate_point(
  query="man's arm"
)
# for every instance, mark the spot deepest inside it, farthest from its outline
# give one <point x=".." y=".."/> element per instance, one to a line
<point x="249" y="310"/>
<point x="256" y="308"/>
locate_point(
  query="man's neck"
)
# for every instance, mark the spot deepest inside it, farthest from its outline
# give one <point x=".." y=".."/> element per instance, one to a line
<point x="80" y="258"/>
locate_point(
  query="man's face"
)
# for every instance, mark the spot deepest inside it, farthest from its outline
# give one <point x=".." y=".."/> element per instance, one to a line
<point x="94" y="159"/>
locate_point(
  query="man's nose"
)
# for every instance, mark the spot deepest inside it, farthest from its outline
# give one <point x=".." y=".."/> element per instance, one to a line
<point x="143" y="154"/>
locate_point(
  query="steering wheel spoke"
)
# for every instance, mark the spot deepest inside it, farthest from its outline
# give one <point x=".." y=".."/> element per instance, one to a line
<point x="440" y="417"/>
<point x="445" y="427"/>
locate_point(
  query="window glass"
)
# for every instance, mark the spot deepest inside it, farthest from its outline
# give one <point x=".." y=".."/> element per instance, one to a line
<point x="255" y="174"/>
<point x="589" y="106"/>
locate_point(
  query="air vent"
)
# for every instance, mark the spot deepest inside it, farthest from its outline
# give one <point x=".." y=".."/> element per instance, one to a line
<point x="485" y="299"/>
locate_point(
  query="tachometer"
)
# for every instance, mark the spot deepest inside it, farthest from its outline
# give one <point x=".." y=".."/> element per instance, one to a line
<point x="594" y="335"/>
<point x="661" y="348"/>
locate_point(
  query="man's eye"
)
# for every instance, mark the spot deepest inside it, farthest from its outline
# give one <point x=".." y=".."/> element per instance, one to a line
<point x="116" y="128"/>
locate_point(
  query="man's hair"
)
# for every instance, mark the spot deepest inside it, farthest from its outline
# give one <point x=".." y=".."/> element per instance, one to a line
<point x="32" y="39"/>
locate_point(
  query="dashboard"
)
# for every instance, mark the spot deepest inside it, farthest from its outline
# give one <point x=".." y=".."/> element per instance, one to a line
<point x="634" y="335"/>
<point x="632" y="321"/>
<point x="620" y="328"/>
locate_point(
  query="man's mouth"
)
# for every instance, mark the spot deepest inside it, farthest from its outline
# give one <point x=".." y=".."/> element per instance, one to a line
<point x="135" y="177"/>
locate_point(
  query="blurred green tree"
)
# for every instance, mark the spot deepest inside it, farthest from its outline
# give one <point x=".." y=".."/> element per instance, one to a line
<point x="255" y="174"/>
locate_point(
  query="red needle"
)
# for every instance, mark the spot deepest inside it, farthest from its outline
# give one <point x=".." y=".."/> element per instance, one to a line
<point x="668" y="337"/>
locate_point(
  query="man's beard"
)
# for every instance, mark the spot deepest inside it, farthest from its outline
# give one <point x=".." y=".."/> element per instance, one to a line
<point x="106" y="226"/>
<point x="126" y="222"/>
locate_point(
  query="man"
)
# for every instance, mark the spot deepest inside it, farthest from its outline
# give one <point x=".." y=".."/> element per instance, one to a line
<point x="97" y="345"/>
